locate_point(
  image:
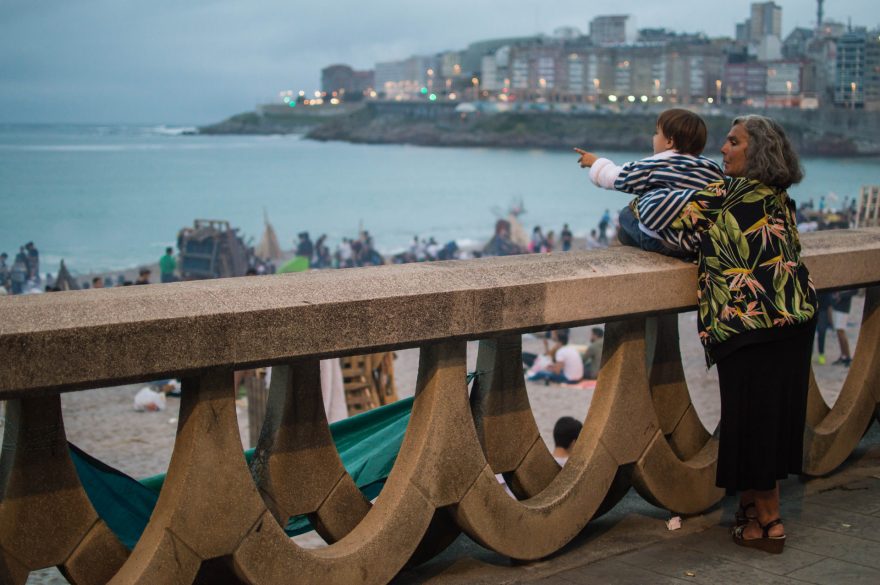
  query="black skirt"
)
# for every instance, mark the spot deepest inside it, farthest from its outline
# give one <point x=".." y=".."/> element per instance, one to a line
<point x="763" y="408"/>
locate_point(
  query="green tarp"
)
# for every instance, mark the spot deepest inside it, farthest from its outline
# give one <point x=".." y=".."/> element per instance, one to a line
<point x="367" y="443"/>
<point x="295" y="264"/>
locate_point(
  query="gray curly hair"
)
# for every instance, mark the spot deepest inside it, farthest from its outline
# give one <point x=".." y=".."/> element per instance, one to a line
<point x="770" y="157"/>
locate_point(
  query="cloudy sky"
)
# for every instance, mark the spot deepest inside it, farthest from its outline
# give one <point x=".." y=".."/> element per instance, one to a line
<point x="198" y="61"/>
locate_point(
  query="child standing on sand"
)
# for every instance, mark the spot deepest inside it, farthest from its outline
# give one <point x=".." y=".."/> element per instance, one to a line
<point x="671" y="175"/>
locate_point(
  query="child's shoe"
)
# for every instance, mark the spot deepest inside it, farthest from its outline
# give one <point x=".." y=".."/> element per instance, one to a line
<point x="821" y="359"/>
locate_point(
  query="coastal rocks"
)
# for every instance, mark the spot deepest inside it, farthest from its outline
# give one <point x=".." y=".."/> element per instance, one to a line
<point x="818" y="133"/>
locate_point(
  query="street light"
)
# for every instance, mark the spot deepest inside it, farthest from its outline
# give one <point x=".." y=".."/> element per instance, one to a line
<point x="852" y="94"/>
<point x="718" y="90"/>
<point x="476" y="83"/>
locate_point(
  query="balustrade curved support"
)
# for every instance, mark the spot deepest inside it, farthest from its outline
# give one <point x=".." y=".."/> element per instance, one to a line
<point x="209" y="502"/>
<point x="679" y="421"/>
<point x="46" y="518"/>
<point x="436" y="465"/>
<point x="614" y="436"/>
<point x="504" y="419"/>
<point x="832" y="434"/>
<point x="677" y="470"/>
<point x="296" y="437"/>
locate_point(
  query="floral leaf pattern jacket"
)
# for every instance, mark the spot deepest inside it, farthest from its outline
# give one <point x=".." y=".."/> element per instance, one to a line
<point x="750" y="274"/>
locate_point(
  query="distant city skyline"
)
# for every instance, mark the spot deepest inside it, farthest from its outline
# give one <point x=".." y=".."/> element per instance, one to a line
<point x="114" y="61"/>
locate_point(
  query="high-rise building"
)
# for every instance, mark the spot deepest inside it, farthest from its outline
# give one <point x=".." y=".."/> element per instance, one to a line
<point x="612" y="30"/>
<point x="343" y="80"/>
<point x="872" y="71"/>
<point x="766" y="20"/>
<point x="744" y="83"/>
<point x="403" y="79"/>
<point x="849" y="82"/>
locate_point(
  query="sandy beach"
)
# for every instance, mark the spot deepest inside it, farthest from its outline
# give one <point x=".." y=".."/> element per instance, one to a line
<point x="103" y="422"/>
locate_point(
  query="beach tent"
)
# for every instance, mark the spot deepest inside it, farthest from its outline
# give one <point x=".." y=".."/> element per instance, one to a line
<point x="268" y="248"/>
<point x="367" y="444"/>
<point x="64" y="281"/>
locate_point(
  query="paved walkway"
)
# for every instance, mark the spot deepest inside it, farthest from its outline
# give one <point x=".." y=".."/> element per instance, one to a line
<point x="833" y="527"/>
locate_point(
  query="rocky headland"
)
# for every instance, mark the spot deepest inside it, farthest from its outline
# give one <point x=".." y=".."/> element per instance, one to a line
<point x="813" y="132"/>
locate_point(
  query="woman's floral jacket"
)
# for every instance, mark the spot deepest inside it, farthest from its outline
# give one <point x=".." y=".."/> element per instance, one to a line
<point x="750" y="274"/>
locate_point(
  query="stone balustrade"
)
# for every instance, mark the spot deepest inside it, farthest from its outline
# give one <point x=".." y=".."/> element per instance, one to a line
<point x="217" y="515"/>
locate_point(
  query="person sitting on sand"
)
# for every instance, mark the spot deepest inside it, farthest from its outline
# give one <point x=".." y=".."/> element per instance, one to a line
<point x="676" y="165"/>
<point x="501" y="243"/>
<point x="565" y="433"/>
<point x="567" y="366"/>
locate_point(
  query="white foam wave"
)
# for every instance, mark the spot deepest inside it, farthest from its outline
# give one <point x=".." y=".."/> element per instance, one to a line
<point x="120" y="147"/>
<point x="173" y="130"/>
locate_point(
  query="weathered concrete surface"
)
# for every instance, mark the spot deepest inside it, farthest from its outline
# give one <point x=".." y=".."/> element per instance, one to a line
<point x="832" y="525"/>
<point x="296" y="436"/>
<point x="101" y="337"/>
<point x="45" y="516"/>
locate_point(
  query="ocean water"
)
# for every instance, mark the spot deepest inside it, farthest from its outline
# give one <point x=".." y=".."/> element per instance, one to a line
<point x="111" y="197"/>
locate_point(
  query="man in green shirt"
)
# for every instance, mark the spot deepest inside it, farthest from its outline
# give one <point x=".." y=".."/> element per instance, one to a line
<point x="167" y="266"/>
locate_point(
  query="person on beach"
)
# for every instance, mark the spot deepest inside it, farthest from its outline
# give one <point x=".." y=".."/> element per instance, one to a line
<point x="841" y="303"/>
<point x="33" y="262"/>
<point x="305" y="248"/>
<point x="823" y="323"/>
<point x="97" y="282"/>
<point x="19" y="273"/>
<point x="756" y="316"/>
<point x="566" y="238"/>
<point x="537" y="240"/>
<point x="4" y="271"/>
<point x="677" y="163"/>
<point x="593" y="356"/>
<point x="143" y="276"/>
<point x="549" y="242"/>
<point x="604" y="221"/>
<point x="501" y="243"/>
<point x="567" y="366"/>
<point x="565" y="432"/>
<point x="167" y="266"/>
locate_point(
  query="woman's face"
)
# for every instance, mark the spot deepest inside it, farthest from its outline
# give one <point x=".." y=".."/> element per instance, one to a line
<point x="734" y="151"/>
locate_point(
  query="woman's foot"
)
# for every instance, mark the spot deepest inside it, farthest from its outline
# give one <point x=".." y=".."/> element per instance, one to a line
<point x="769" y="537"/>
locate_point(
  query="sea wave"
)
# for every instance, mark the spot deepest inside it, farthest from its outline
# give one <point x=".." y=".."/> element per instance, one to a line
<point x="173" y="130"/>
<point x="79" y="147"/>
<point x="124" y="147"/>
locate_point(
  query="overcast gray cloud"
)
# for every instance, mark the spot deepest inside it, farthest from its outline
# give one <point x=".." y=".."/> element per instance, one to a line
<point x="198" y="61"/>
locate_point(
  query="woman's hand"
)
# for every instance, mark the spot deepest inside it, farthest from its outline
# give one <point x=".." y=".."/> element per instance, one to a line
<point x="587" y="159"/>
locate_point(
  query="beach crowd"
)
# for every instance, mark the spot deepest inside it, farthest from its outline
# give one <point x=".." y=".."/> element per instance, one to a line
<point x="22" y="273"/>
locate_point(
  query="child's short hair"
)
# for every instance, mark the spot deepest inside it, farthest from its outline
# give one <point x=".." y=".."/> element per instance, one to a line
<point x="566" y="431"/>
<point x="685" y="129"/>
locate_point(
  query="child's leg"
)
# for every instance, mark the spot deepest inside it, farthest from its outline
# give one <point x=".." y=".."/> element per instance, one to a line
<point x="629" y="233"/>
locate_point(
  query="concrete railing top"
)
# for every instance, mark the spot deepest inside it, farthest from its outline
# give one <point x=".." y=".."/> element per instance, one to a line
<point x="94" y="338"/>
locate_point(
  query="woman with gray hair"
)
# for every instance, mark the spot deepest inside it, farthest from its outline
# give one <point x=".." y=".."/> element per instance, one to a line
<point x="757" y="310"/>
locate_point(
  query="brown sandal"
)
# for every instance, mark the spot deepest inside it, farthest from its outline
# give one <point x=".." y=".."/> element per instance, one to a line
<point x="767" y="543"/>
<point x="741" y="516"/>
